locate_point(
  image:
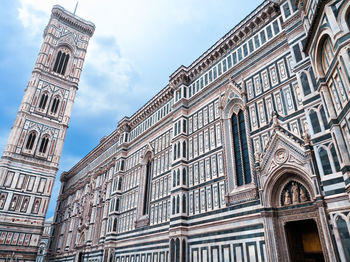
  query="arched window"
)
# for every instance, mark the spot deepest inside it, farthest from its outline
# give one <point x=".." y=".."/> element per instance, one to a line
<point x="184" y="149"/>
<point x="172" y="250"/>
<point x="305" y="84"/>
<point x="184" y="204"/>
<point x="117" y="205"/>
<point x="174" y="178"/>
<point x="122" y="165"/>
<point x="174" y="151"/>
<point x="54" y="105"/>
<point x="184" y="250"/>
<point x="178" y="177"/>
<point x="344" y="236"/>
<point x="324" y="118"/>
<point x="178" y="150"/>
<point x="326" y="54"/>
<point x="315" y="122"/>
<point x="61" y="62"/>
<point x="115" y="224"/>
<point x="43" y="144"/>
<point x="120" y="183"/>
<point x="335" y="158"/>
<point x="173" y="208"/>
<point x="326" y="165"/>
<point x="147" y="188"/>
<point x="177" y="248"/>
<point x="240" y="146"/>
<point x="177" y="204"/>
<point x="184" y="177"/>
<point x="30" y="141"/>
<point x="43" y="101"/>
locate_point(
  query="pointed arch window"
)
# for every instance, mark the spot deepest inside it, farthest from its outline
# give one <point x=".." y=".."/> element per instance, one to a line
<point x="30" y="140"/>
<point x="344" y="236"/>
<point x="326" y="165"/>
<point x="326" y="54"/>
<point x="305" y="84"/>
<point x="61" y="62"/>
<point x="315" y="122"/>
<point x="54" y="105"/>
<point x="147" y="193"/>
<point x="43" y="144"/>
<point x="240" y="146"/>
<point x="43" y="100"/>
<point x="335" y="158"/>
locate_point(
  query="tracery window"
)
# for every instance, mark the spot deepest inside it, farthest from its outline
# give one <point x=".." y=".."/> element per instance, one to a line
<point x="43" y="100"/>
<point x="315" y="122"/>
<point x="54" y="105"/>
<point x="43" y="144"/>
<point x="240" y="146"/>
<point x="326" y="165"/>
<point x="326" y="54"/>
<point x="62" y="59"/>
<point x="30" y="141"/>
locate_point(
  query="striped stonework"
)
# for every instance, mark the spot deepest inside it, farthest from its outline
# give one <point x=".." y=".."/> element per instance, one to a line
<point x="243" y="156"/>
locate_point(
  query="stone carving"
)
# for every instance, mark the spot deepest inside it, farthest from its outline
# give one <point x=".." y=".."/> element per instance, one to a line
<point x="281" y="156"/>
<point x="13" y="203"/>
<point x="294" y="193"/>
<point x="287" y="198"/>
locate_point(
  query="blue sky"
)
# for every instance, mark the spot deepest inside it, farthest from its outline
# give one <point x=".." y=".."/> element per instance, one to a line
<point x="136" y="46"/>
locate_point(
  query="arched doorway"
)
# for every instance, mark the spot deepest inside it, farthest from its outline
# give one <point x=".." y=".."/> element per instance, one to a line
<point x="295" y="222"/>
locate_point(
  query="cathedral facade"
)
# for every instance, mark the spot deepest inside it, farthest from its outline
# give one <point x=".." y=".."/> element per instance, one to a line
<point x="243" y="156"/>
<point x="30" y="161"/>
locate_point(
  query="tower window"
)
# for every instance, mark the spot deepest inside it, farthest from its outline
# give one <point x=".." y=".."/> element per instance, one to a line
<point x="43" y="145"/>
<point x="54" y="106"/>
<point x="30" y="141"/>
<point x="43" y="101"/>
<point x="61" y="62"/>
<point x="240" y="147"/>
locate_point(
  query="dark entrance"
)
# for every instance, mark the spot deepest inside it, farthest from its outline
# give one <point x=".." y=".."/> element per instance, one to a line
<point x="304" y="241"/>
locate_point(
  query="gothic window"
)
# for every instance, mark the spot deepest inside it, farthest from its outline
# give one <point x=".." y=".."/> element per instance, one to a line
<point x="240" y="145"/>
<point x="326" y="54"/>
<point x="117" y="205"/>
<point x="344" y="236"/>
<point x="54" y="105"/>
<point x="173" y="208"/>
<point x="120" y="183"/>
<point x="184" y="149"/>
<point x="115" y="224"/>
<point x="178" y="150"/>
<point x="184" y="177"/>
<point x="184" y="206"/>
<point x="147" y="194"/>
<point x="174" y="178"/>
<point x="335" y="158"/>
<point x="315" y="122"/>
<point x="61" y="62"/>
<point x="178" y="177"/>
<point x="174" y="151"/>
<point x="326" y="165"/>
<point x="177" y="204"/>
<point x="43" y="144"/>
<point x="43" y="100"/>
<point x="305" y="84"/>
<point x="30" y="140"/>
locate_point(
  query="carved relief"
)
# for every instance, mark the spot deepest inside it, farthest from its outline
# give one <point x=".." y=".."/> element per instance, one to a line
<point x="294" y="193"/>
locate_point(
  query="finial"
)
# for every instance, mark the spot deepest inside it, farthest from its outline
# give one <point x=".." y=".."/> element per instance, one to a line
<point x="76" y="6"/>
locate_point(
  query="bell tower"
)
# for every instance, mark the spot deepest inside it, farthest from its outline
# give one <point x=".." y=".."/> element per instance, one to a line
<point x="30" y="161"/>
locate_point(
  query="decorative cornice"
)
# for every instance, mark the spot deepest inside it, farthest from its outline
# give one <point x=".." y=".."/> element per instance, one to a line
<point x="233" y="38"/>
<point x="72" y="20"/>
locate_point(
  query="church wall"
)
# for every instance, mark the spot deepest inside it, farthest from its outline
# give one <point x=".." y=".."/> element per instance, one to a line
<point x="195" y="205"/>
